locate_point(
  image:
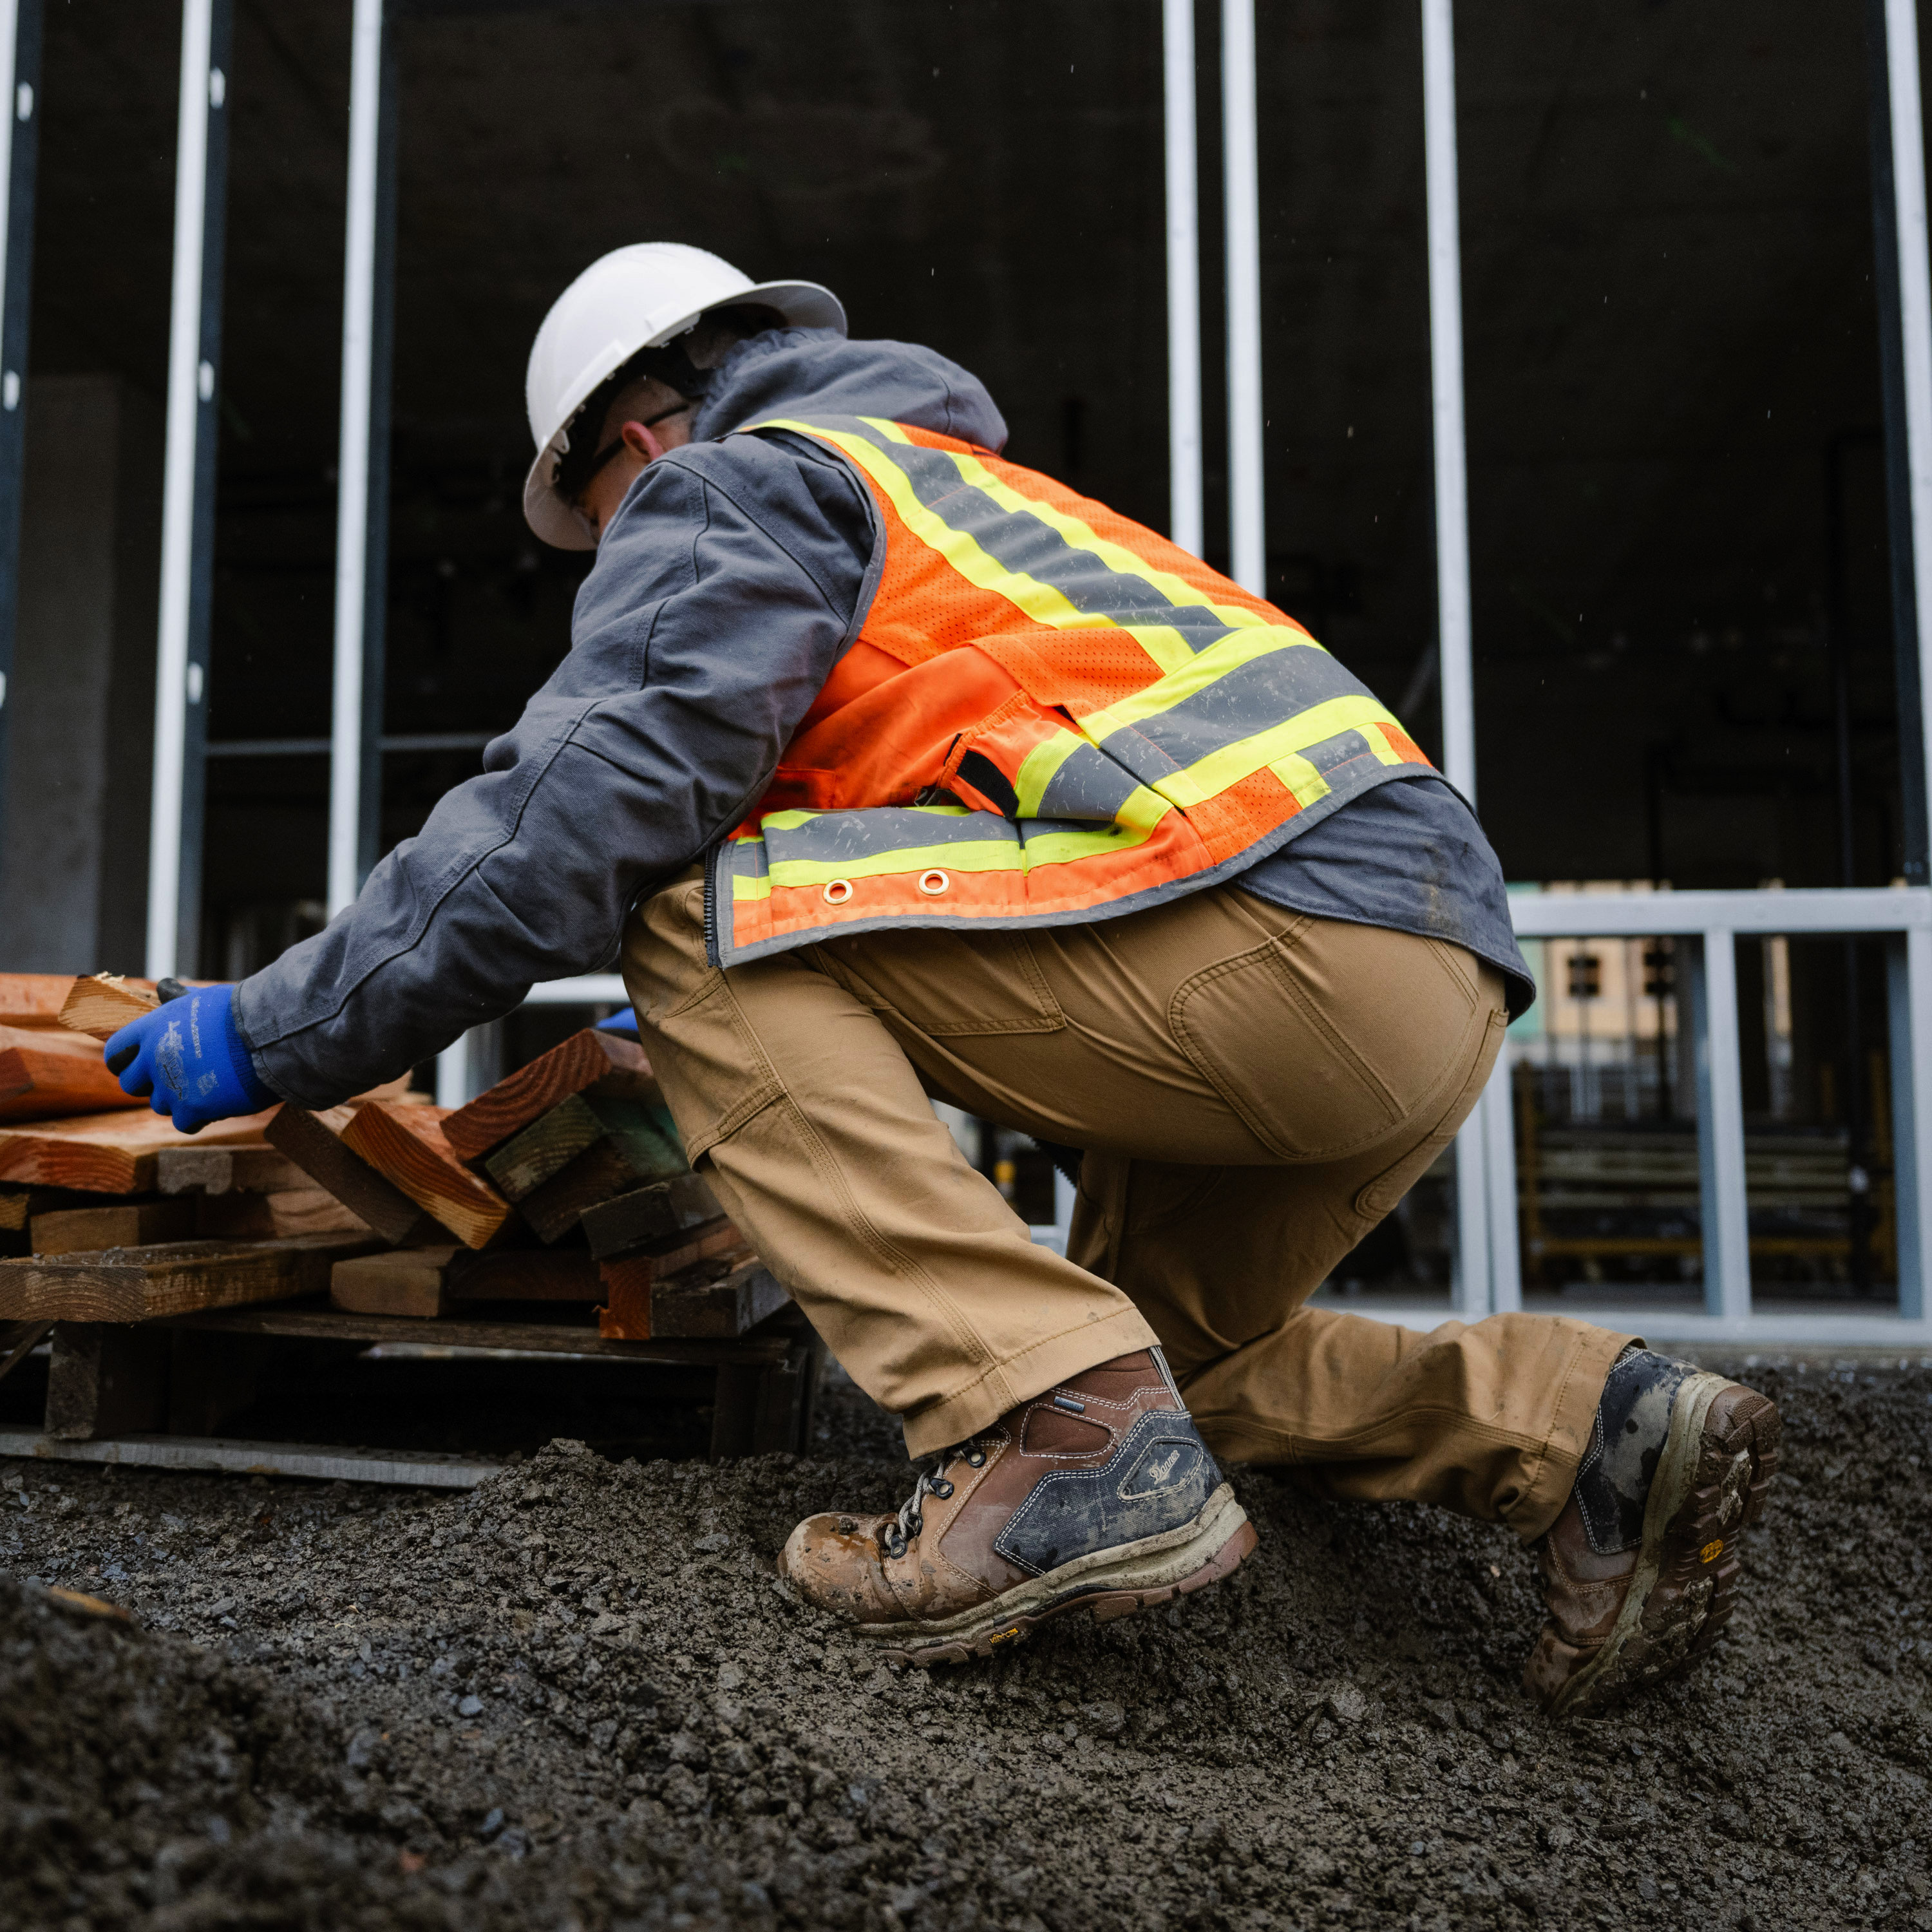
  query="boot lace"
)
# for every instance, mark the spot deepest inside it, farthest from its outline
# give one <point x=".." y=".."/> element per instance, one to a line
<point x="911" y="1519"/>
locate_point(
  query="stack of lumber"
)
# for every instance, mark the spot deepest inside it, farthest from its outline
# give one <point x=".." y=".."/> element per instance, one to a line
<point x="107" y="1212"/>
<point x="563" y="1189"/>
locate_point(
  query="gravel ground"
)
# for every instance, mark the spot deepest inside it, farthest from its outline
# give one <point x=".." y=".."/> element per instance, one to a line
<point x="579" y="1697"/>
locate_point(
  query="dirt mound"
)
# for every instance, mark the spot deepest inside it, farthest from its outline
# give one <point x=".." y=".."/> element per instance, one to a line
<point x="579" y="1697"/>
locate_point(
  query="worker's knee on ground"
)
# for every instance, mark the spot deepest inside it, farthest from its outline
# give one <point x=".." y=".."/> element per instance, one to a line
<point x="1332" y="1037"/>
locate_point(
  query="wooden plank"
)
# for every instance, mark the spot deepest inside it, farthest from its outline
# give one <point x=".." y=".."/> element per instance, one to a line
<point x="19" y="1205"/>
<point x="101" y="1005"/>
<point x="279" y="1216"/>
<point x="107" y="1154"/>
<point x="632" y="1280"/>
<point x="403" y="1281"/>
<point x="129" y="1224"/>
<point x="406" y="1145"/>
<point x="46" y="1074"/>
<point x="217" y="1170"/>
<point x="310" y="1462"/>
<point x="604" y="1063"/>
<point x="524" y="1274"/>
<point x="547" y="1146"/>
<point x="649" y="1217"/>
<point x="619" y="1163"/>
<point x="313" y="1142"/>
<point x="692" y="1309"/>
<point x="138" y="1284"/>
<point x="521" y="1337"/>
<point x="33" y="999"/>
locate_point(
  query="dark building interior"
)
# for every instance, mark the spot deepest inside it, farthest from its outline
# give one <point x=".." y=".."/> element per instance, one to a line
<point x="1682" y="620"/>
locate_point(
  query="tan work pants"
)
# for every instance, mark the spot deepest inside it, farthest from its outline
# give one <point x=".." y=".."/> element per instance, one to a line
<point x="1255" y="1090"/>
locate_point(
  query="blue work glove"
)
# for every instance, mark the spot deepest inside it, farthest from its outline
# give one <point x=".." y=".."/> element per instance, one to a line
<point x="189" y="1055"/>
<point x="625" y="1023"/>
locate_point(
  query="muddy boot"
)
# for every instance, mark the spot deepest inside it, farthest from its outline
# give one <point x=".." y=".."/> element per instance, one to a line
<point x="1097" y="1494"/>
<point x="1640" y="1572"/>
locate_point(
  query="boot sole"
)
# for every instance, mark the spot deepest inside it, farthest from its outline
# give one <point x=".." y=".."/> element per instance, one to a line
<point x="1111" y="1583"/>
<point x="1712" y="1482"/>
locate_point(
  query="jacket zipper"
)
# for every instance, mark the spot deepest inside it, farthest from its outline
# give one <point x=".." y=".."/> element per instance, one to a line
<point x="711" y="954"/>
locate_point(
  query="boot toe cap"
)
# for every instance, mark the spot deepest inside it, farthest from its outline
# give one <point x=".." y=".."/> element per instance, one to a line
<point x="833" y="1560"/>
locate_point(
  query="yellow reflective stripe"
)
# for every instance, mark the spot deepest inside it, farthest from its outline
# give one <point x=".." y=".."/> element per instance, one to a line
<point x="1162" y="643"/>
<point x="1040" y="602"/>
<point x="889" y="429"/>
<point x="1037" y="769"/>
<point x="1203" y="668"/>
<point x="1139" y="814"/>
<point x="1208" y="777"/>
<point x="1082" y="536"/>
<point x="1304" y="781"/>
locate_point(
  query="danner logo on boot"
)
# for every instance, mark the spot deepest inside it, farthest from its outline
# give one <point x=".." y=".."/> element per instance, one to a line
<point x="1165" y="1465"/>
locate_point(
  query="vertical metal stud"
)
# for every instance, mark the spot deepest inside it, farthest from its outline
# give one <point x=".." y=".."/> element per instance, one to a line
<point x="1185" y="518"/>
<point x="1723" y="1205"/>
<point x="1908" y="961"/>
<point x="362" y="503"/>
<point x="188" y="498"/>
<point x="1915" y="317"/>
<point x="1247" y="528"/>
<point x="1473" y="1186"/>
<point x="20" y="146"/>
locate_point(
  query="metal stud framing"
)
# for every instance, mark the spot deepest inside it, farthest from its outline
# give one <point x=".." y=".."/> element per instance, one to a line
<point x="19" y="143"/>
<point x="362" y="507"/>
<point x="188" y="497"/>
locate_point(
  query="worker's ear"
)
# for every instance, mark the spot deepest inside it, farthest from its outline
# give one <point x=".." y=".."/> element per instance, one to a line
<point x="641" y="440"/>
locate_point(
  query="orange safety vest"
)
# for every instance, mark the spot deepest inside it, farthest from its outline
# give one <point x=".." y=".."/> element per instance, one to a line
<point x="1109" y="723"/>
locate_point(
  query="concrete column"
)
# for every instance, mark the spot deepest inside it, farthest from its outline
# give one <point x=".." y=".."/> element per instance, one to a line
<point x="73" y="873"/>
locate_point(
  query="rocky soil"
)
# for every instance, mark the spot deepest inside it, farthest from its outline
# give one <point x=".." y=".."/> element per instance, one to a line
<point x="579" y="1697"/>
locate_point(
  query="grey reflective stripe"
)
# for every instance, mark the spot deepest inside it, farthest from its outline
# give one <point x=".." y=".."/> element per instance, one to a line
<point x="1089" y="784"/>
<point x="1023" y="542"/>
<point x="868" y="832"/>
<point x="1265" y="691"/>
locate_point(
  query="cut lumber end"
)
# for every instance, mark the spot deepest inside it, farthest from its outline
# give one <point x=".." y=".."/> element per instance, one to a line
<point x="607" y="1064"/>
<point x="404" y="1281"/>
<point x="103" y="1003"/>
<point x="406" y="1145"/>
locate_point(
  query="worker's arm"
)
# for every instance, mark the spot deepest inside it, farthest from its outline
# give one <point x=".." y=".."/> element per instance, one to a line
<point x="725" y="591"/>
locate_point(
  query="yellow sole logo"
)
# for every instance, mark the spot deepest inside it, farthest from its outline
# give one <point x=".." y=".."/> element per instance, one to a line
<point x="1712" y="1550"/>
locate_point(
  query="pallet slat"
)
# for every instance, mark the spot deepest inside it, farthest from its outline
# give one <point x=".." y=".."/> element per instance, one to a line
<point x="101" y="1005"/>
<point x="122" y="1285"/>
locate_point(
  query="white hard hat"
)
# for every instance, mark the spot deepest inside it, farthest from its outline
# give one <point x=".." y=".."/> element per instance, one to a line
<point x="632" y="298"/>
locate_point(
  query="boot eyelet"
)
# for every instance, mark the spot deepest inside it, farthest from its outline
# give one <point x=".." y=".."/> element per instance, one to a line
<point x="943" y="1489"/>
<point x="838" y="892"/>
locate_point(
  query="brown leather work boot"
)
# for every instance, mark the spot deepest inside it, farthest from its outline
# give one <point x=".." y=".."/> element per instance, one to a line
<point x="1640" y="1572"/>
<point x="1096" y="1495"/>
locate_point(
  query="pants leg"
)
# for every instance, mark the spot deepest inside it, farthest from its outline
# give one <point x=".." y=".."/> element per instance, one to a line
<point x="819" y="1139"/>
<point x="1489" y="1418"/>
<point x="1255" y="1088"/>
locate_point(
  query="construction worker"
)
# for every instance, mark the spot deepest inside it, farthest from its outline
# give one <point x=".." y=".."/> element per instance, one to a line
<point x="893" y="770"/>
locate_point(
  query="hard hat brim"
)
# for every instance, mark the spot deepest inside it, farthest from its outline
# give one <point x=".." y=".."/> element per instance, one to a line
<point x="803" y="305"/>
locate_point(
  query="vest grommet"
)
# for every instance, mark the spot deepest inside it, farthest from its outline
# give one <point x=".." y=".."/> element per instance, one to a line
<point x="839" y="892"/>
<point x="933" y="883"/>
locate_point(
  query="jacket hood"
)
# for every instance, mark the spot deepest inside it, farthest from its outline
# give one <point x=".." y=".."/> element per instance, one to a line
<point x="816" y="371"/>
